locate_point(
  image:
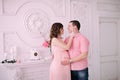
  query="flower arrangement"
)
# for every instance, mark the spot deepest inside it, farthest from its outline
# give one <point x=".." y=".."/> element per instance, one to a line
<point x="46" y="44"/>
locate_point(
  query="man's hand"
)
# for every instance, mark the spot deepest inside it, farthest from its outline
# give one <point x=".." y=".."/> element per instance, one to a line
<point x="65" y="62"/>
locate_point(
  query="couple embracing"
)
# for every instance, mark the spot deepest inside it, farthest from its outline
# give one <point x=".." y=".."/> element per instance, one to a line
<point x="69" y="56"/>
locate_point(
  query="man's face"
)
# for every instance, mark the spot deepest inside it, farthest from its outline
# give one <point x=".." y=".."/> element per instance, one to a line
<point x="70" y="27"/>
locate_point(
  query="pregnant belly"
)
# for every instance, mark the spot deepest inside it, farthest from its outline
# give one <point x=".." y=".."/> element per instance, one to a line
<point x="58" y="66"/>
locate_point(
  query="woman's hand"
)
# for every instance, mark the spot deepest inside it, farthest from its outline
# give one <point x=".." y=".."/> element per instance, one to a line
<point x="72" y="34"/>
<point x="65" y="62"/>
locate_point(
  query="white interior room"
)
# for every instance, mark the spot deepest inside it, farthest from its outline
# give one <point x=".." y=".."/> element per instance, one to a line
<point x="25" y="25"/>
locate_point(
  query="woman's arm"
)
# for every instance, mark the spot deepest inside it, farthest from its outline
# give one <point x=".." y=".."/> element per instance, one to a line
<point x="62" y="44"/>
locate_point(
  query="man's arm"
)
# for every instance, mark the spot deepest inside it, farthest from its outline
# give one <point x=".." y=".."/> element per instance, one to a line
<point x="83" y="54"/>
<point x="75" y="59"/>
<point x="84" y="46"/>
<point x="79" y="58"/>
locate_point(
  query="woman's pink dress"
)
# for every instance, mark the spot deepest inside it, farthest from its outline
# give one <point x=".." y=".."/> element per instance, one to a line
<point x="57" y="70"/>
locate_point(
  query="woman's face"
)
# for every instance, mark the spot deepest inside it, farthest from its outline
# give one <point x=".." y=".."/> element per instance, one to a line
<point x="61" y="31"/>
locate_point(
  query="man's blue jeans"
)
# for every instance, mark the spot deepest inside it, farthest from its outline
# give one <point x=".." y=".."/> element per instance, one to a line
<point x="79" y="74"/>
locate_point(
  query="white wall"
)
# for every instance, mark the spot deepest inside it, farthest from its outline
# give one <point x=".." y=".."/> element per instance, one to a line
<point x="17" y="22"/>
<point x="108" y="17"/>
<point x="20" y="27"/>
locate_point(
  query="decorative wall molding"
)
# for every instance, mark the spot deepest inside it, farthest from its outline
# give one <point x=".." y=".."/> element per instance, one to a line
<point x="11" y="39"/>
<point x="109" y="47"/>
<point x="23" y="48"/>
<point x="112" y="25"/>
<point x="2" y="56"/>
<point x="35" y="5"/>
<point x="34" y="19"/>
<point x="108" y="5"/>
<point x="81" y="0"/>
<point x="108" y="19"/>
<point x="37" y="21"/>
<point x="1" y="7"/>
<point x="109" y="69"/>
<point x="80" y="11"/>
<point x="105" y="59"/>
<point x="109" y="1"/>
<point x="1" y="42"/>
<point x="12" y="7"/>
<point x="60" y="8"/>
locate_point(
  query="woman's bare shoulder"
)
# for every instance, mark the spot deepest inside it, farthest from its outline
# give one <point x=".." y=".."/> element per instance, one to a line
<point x="54" y="40"/>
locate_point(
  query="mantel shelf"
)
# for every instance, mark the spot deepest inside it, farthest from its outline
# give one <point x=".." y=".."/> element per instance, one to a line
<point x="30" y="63"/>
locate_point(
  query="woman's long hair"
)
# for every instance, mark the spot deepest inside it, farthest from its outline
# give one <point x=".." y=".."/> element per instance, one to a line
<point x="55" y="31"/>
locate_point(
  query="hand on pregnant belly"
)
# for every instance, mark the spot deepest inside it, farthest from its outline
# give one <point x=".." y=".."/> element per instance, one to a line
<point x="65" y="61"/>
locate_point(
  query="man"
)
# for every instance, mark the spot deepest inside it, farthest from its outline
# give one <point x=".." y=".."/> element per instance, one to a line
<point x="78" y="53"/>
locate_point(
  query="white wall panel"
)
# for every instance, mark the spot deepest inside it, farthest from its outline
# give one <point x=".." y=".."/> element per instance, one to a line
<point x="109" y="48"/>
<point x="109" y="71"/>
<point x="1" y="7"/>
<point x="109" y="39"/>
<point x="1" y="46"/>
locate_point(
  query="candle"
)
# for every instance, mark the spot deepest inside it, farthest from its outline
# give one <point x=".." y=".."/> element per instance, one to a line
<point x="13" y="52"/>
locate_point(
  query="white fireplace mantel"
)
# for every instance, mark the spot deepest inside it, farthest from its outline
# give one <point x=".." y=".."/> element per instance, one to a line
<point x="32" y="70"/>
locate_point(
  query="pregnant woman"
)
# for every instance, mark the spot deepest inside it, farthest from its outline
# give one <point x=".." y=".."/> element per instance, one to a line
<point x="59" y="52"/>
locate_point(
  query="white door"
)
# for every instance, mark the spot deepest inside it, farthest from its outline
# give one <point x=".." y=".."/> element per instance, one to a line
<point x="109" y="48"/>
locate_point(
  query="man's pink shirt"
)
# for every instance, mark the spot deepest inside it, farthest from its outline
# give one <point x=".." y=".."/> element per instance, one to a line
<point x="79" y="45"/>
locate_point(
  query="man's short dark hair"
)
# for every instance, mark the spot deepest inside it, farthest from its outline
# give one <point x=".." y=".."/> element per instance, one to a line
<point x="76" y="23"/>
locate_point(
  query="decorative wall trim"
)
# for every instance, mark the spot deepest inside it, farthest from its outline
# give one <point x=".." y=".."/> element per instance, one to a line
<point x="108" y="20"/>
<point x="108" y="5"/>
<point x="81" y="11"/>
<point x="2" y="56"/>
<point x="1" y="42"/>
<point x="10" y="41"/>
<point x="58" y="6"/>
<point x="81" y="0"/>
<point x="115" y="71"/>
<point x="36" y="5"/>
<point x="1" y="7"/>
<point x="23" y="48"/>
<point x="37" y="21"/>
<point x="109" y="1"/>
<point x="7" y="44"/>
<point x="109" y="59"/>
<point x="110" y="62"/>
